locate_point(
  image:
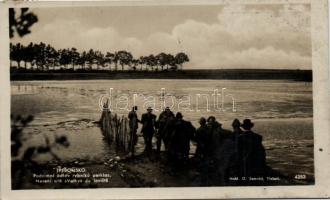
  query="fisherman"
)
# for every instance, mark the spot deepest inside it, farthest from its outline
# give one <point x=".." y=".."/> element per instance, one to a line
<point x="237" y="128"/>
<point x="133" y="125"/>
<point x="201" y="139"/>
<point x="148" y="120"/>
<point x="237" y="132"/>
<point x="164" y="127"/>
<point x="180" y="140"/>
<point x="217" y="134"/>
<point x="218" y="151"/>
<point x="251" y="151"/>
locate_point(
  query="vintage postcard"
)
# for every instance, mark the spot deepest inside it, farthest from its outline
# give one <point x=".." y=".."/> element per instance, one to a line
<point x="155" y="99"/>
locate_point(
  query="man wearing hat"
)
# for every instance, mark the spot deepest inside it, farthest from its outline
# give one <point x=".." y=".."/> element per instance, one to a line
<point x="201" y="139"/>
<point x="164" y="127"/>
<point x="148" y="120"/>
<point x="183" y="132"/>
<point x="251" y="151"/>
<point x="217" y="136"/>
<point x="216" y="151"/>
<point x="133" y="125"/>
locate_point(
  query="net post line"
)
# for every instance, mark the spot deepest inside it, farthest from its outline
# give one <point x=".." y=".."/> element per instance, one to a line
<point x="116" y="129"/>
<point x="122" y="134"/>
<point x="105" y="123"/>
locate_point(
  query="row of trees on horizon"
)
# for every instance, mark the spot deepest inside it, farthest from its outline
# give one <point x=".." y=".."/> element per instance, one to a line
<point x="43" y="57"/>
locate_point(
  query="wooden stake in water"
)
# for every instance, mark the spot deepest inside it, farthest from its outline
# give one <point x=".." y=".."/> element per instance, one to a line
<point x="116" y="129"/>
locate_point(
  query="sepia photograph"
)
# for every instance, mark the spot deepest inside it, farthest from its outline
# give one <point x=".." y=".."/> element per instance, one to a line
<point x="161" y="96"/>
<point x="111" y="97"/>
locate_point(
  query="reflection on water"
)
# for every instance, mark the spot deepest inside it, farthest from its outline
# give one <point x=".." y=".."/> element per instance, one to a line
<point x="85" y="143"/>
<point x="281" y="110"/>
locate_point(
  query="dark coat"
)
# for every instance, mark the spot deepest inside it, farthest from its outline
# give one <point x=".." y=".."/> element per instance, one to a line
<point x="148" y="120"/>
<point x="216" y="137"/>
<point x="183" y="132"/>
<point x="163" y="118"/>
<point x="202" y="139"/>
<point x="251" y="153"/>
<point x="133" y="120"/>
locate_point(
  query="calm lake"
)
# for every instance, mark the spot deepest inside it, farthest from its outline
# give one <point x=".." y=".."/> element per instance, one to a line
<point x="282" y="111"/>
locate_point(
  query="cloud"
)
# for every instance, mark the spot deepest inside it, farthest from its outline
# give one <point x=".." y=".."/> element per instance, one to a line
<point x="247" y="39"/>
<point x="242" y="37"/>
<point x="263" y="58"/>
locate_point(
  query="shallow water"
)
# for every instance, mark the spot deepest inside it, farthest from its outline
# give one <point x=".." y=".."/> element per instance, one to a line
<point x="281" y="110"/>
<point x="56" y="101"/>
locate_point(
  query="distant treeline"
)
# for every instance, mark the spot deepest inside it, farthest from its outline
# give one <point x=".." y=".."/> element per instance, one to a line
<point x="43" y="57"/>
<point x="232" y="74"/>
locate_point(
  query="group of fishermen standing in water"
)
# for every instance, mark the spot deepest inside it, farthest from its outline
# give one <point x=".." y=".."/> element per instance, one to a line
<point x="237" y="153"/>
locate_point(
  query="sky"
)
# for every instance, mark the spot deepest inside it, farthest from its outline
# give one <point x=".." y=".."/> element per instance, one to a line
<point x="269" y="36"/>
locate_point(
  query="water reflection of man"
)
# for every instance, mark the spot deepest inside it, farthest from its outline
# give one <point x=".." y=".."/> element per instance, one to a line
<point x="148" y="120"/>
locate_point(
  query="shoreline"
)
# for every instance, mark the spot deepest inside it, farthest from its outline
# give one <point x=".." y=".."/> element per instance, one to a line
<point x="226" y="122"/>
<point x="141" y="171"/>
<point x="275" y="147"/>
<point x="218" y="74"/>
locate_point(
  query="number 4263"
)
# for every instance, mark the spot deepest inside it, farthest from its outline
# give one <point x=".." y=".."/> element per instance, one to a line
<point x="300" y="176"/>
